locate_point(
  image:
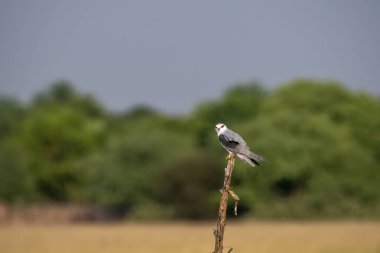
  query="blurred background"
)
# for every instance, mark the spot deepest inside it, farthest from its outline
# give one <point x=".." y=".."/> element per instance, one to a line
<point x="107" y="111"/>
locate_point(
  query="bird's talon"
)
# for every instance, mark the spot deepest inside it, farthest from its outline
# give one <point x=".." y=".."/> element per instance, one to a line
<point x="230" y="156"/>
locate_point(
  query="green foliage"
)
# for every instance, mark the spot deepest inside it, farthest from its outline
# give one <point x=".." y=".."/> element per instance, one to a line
<point x="122" y="175"/>
<point x="317" y="163"/>
<point x="16" y="184"/>
<point x="11" y="112"/>
<point x="55" y="133"/>
<point x="321" y="142"/>
<point x="190" y="182"/>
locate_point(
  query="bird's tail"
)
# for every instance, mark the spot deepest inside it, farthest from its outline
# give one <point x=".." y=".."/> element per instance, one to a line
<point x="254" y="159"/>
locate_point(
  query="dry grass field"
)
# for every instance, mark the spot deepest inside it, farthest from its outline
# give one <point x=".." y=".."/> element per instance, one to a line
<point x="256" y="237"/>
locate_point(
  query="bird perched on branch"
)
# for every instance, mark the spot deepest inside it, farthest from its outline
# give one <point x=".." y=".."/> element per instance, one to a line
<point x="235" y="145"/>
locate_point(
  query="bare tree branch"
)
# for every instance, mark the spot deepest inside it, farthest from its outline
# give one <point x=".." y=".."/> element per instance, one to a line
<point x="225" y="191"/>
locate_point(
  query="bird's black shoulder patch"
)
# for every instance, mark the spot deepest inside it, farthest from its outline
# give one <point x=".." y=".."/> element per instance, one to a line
<point x="227" y="142"/>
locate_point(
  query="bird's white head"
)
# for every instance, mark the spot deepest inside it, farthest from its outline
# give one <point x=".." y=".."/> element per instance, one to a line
<point x="220" y="128"/>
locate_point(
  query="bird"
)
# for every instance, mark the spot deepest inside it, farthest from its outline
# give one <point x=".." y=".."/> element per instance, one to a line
<point x="236" y="145"/>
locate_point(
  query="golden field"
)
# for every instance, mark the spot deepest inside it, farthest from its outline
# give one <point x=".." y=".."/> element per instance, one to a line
<point x="245" y="237"/>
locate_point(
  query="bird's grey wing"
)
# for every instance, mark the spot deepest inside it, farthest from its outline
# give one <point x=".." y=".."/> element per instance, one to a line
<point x="227" y="142"/>
<point x="232" y="136"/>
<point x="241" y="146"/>
<point x="233" y="141"/>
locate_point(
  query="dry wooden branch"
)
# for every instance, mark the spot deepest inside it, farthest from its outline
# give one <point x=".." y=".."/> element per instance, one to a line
<point x="225" y="191"/>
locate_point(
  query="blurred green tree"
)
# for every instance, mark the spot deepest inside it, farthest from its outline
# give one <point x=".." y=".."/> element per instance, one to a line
<point x="59" y="129"/>
<point x="321" y="142"/>
<point x="316" y="164"/>
<point x="123" y="175"/>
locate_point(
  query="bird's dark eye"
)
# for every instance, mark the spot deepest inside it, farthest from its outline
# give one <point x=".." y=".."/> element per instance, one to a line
<point x="222" y="126"/>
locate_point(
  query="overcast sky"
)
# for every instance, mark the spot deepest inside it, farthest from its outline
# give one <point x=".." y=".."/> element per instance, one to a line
<point x="174" y="54"/>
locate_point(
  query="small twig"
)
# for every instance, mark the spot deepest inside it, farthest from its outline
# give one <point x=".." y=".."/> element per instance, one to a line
<point x="236" y="198"/>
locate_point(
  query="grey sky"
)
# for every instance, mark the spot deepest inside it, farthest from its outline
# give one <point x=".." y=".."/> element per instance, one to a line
<point x="174" y="54"/>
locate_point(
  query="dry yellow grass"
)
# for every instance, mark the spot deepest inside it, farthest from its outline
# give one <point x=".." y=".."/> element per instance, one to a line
<point x="257" y="237"/>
